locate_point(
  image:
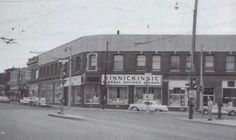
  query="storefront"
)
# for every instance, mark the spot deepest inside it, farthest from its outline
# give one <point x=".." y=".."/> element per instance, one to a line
<point x="178" y="93"/>
<point x="229" y="92"/>
<point x="145" y="87"/>
<point x="76" y="93"/>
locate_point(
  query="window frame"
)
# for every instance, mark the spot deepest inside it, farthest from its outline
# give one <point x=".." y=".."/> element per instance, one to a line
<point x="230" y="62"/>
<point x="89" y="62"/>
<point x="207" y="68"/>
<point x="143" y="60"/>
<point x="158" y="63"/>
<point x="120" y="63"/>
<point x="173" y="69"/>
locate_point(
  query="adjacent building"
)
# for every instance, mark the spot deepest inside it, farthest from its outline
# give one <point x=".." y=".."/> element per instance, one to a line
<point x="137" y="68"/>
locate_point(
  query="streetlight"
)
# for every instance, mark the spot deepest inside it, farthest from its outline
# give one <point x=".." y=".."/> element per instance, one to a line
<point x="70" y="74"/>
<point x="192" y="68"/>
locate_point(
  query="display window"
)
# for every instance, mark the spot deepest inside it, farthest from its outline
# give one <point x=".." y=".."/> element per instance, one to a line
<point x="229" y="96"/>
<point x="76" y="99"/>
<point x="177" y="97"/>
<point x="91" y="95"/>
<point x="148" y="93"/>
<point x="117" y="95"/>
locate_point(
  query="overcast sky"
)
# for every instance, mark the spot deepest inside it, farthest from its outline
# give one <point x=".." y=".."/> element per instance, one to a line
<point x="41" y="25"/>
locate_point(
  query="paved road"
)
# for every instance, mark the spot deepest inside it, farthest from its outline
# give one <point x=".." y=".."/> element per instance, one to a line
<point x="19" y="122"/>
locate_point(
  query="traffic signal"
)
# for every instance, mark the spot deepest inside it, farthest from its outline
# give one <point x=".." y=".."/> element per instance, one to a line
<point x="201" y="88"/>
<point x="63" y="72"/>
<point x="194" y="83"/>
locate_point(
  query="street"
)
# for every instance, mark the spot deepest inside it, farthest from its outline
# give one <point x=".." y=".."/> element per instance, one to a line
<point x="21" y="122"/>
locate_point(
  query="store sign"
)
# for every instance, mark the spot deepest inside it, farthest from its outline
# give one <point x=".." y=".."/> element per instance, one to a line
<point x="75" y="80"/>
<point x="125" y="79"/>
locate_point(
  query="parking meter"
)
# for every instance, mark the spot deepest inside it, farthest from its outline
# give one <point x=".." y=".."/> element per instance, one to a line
<point x="220" y="104"/>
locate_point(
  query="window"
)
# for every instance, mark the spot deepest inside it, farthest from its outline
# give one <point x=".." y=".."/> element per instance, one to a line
<point x="56" y="69"/>
<point x="92" y="62"/>
<point x="91" y="95"/>
<point x="177" y="97"/>
<point x="141" y="62"/>
<point x="209" y="63"/>
<point x="175" y="63"/>
<point x="147" y="93"/>
<point x="117" y="95"/>
<point x="231" y="84"/>
<point x="230" y="63"/>
<point x="78" y="63"/>
<point x="118" y="63"/>
<point x="188" y="63"/>
<point x="156" y="63"/>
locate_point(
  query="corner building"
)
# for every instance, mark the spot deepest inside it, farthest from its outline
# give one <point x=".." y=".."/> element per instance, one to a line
<point x="137" y="68"/>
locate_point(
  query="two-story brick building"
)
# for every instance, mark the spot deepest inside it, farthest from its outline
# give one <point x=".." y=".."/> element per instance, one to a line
<point x="138" y="67"/>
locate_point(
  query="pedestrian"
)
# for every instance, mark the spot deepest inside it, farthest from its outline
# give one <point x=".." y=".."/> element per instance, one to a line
<point x="210" y="106"/>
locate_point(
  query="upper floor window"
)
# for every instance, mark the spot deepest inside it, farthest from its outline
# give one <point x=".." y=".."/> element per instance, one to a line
<point x="141" y="62"/>
<point x="118" y="63"/>
<point x="156" y="62"/>
<point x="175" y="63"/>
<point x="188" y="63"/>
<point x="209" y="63"/>
<point x="78" y="63"/>
<point x="92" y="61"/>
<point x="230" y="63"/>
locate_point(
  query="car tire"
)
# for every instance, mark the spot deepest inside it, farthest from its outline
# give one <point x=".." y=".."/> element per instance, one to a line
<point x="134" y="109"/>
<point x="232" y="113"/>
<point x="205" y="112"/>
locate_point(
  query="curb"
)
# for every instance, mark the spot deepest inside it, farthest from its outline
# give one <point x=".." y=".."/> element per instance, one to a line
<point x="66" y="116"/>
<point x="213" y="122"/>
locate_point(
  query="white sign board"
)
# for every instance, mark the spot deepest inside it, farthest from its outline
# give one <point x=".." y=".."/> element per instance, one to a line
<point x="192" y="93"/>
<point x="75" y="80"/>
<point x="126" y="79"/>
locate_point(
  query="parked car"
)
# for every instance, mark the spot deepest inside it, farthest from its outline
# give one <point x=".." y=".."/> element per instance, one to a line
<point x="29" y="100"/>
<point x="225" y="109"/>
<point x="148" y="106"/>
<point x="41" y="102"/>
<point x="4" y="99"/>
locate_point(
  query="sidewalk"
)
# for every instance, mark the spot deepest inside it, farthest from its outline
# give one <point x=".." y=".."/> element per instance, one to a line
<point x="223" y="122"/>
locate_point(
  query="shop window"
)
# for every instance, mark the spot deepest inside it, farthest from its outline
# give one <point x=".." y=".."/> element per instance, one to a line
<point x="177" y="97"/>
<point x="209" y="63"/>
<point x="118" y="63"/>
<point x="92" y="62"/>
<point x="117" y="95"/>
<point x="141" y="62"/>
<point x="76" y="99"/>
<point x="175" y="64"/>
<point x="231" y="83"/>
<point x="208" y="93"/>
<point x="156" y="63"/>
<point x="229" y="96"/>
<point x="188" y="63"/>
<point x="91" y="94"/>
<point x="230" y="64"/>
<point x="147" y="93"/>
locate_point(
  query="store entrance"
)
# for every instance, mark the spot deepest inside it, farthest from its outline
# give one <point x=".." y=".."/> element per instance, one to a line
<point x="208" y="93"/>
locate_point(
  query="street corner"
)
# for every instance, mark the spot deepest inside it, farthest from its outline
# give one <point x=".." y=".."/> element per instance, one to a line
<point x="66" y="116"/>
<point x="222" y="122"/>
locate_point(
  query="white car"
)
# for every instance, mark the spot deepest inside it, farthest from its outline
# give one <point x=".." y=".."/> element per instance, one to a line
<point x="148" y="106"/>
<point x="225" y="109"/>
<point x="4" y="99"/>
<point x="41" y="102"/>
<point x="29" y="100"/>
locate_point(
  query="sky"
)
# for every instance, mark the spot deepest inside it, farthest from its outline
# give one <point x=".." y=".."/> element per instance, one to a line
<point x="40" y="25"/>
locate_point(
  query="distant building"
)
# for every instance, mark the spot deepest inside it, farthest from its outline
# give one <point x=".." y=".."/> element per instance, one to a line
<point x="33" y="82"/>
<point x="138" y="67"/>
<point x="19" y="78"/>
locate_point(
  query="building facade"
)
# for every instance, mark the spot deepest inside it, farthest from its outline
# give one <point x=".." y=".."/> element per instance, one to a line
<point x="18" y="83"/>
<point x="137" y="68"/>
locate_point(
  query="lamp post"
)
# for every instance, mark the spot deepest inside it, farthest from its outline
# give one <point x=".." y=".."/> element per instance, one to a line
<point x="70" y="74"/>
<point x="192" y="68"/>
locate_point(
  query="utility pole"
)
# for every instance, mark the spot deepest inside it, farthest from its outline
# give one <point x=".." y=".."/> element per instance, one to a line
<point x="201" y="78"/>
<point x="192" y="72"/>
<point x="105" y="78"/>
<point x="70" y="74"/>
